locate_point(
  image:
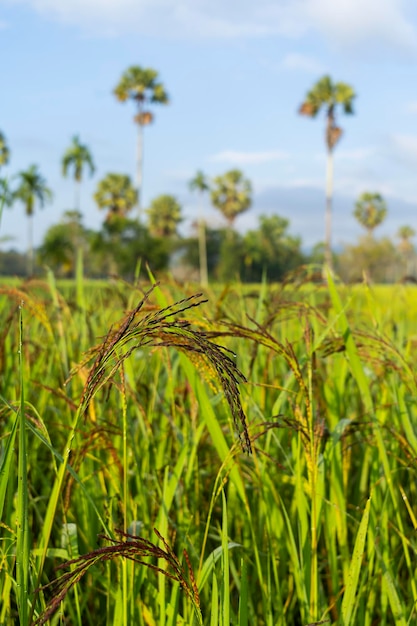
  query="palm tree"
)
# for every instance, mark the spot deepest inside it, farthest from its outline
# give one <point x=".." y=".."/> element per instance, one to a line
<point x="405" y="234"/>
<point x="4" y="150"/>
<point x="370" y="211"/>
<point x="142" y="86"/>
<point x="199" y="183"/>
<point x="77" y="157"/>
<point x="327" y="95"/>
<point x="231" y="194"/>
<point x="116" y="194"/>
<point x="32" y="188"/>
<point x="164" y="216"/>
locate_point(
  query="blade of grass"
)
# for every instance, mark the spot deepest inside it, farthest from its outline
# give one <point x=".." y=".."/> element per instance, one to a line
<point x="22" y="530"/>
<point x="243" y="598"/>
<point x="225" y="589"/>
<point x="215" y="618"/>
<point x="348" y="602"/>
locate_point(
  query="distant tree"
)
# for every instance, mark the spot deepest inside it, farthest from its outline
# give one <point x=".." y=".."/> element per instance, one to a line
<point x="200" y="183"/>
<point x="4" y="151"/>
<point x="405" y="235"/>
<point x="57" y="250"/>
<point x="62" y="242"/>
<point x="77" y="158"/>
<point x="6" y="194"/>
<point x="164" y="215"/>
<point x="116" y="195"/>
<point x="406" y="248"/>
<point x="191" y="253"/>
<point x="31" y="188"/>
<point x="377" y="260"/>
<point x="231" y="256"/>
<point x="121" y="243"/>
<point x="142" y="86"/>
<point x="370" y="211"/>
<point x="327" y="95"/>
<point x="231" y="194"/>
<point x="13" y="263"/>
<point x="271" y="249"/>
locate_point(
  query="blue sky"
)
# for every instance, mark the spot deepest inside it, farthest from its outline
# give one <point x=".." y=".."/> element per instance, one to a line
<point x="236" y="72"/>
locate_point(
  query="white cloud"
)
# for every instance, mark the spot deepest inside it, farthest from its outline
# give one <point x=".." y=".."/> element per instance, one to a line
<point x="404" y="147"/>
<point x="173" y="18"/>
<point x="360" y="24"/>
<point x="294" y="61"/>
<point x="248" y="158"/>
<point x="349" y="23"/>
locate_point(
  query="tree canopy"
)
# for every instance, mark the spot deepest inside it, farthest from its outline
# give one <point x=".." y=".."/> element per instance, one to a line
<point x="328" y="95"/>
<point x="77" y="158"/>
<point x="4" y="150"/>
<point x="116" y="195"/>
<point x="143" y="87"/>
<point x="231" y="193"/>
<point x="370" y="211"/>
<point x="164" y="215"/>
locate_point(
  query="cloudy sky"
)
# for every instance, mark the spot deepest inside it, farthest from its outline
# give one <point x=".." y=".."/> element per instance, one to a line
<point x="236" y="72"/>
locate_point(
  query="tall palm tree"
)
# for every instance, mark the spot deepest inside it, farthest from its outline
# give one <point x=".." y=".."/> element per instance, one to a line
<point x="405" y="235"/>
<point x="32" y="188"/>
<point x="115" y="194"/>
<point x="231" y="194"/>
<point x="370" y="211"/>
<point x="327" y="95"/>
<point x="142" y="86"/>
<point x="164" y="216"/>
<point x="77" y="157"/>
<point x="200" y="183"/>
<point x="4" y="150"/>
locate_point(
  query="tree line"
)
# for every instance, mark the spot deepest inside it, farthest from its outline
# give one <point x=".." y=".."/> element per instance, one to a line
<point x="221" y="253"/>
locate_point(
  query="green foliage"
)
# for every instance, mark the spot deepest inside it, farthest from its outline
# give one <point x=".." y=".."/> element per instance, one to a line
<point x="316" y="525"/>
<point x="231" y="194"/>
<point x="327" y="95"/>
<point x="370" y="211"/>
<point x="31" y="188"/>
<point x="190" y="253"/>
<point x="231" y="257"/>
<point x="116" y="195"/>
<point x="377" y="259"/>
<point x="13" y="263"/>
<point x="6" y="194"/>
<point x="142" y="86"/>
<point x="4" y="150"/>
<point x="121" y="243"/>
<point x="77" y="157"/>
<point x="199" y="182"/>
<point x="270" y="249"/>
<point x="164" y="215"/>
<point x="61" y="243"/>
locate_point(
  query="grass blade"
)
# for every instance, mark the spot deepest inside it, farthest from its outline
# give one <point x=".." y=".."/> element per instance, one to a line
<point x="348" y="602"/>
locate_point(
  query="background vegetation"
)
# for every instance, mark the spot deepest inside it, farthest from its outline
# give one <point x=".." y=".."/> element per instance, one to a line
<point x="131" y="233"/>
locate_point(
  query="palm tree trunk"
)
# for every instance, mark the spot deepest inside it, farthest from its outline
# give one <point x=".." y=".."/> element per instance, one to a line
<point x="328" y="215"/>
<point x="30" y="246"/>
<point x="203" y="252"/>
<point x="202" y="247"/>
<point x="77" y="195"/>
<point x="139" y="166"/>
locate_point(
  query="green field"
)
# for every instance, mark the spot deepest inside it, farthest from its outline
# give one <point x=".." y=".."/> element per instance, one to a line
<point x="244" y="457"/>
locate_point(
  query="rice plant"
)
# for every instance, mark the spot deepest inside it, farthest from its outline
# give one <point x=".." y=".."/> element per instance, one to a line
<point x="238" y="457"/>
